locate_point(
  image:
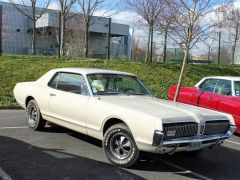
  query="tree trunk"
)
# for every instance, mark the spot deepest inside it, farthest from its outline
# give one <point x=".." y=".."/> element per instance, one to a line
<point x="234" y="45"/>
<point x="86" y="40"/>
<point x="182" y="72"/>
<point x="165" y="45"/>
<point x="62" y="35"/>
<point x="149" y="36"/>
<point x="34" y="38"/>
<point x="151" y="45"/>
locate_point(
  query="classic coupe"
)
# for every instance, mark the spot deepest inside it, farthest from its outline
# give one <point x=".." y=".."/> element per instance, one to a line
<point x="220" y="93"/>
<point x="117" y="108"/>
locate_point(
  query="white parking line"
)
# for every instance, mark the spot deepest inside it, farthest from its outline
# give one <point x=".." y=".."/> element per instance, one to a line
<point x="4" y="175"/>
<point x="19" y="127"/>
<point x="233" y="142"/>
<point x="184" y="170"/>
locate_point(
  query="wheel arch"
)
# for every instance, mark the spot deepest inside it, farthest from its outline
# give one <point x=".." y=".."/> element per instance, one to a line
<point x="112" y="121"/>
<point x="29" y="98"/>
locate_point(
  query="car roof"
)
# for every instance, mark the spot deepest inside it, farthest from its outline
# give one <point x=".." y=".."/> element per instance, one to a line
<point x="85" y="71"/>
<point x="233" y="78"/>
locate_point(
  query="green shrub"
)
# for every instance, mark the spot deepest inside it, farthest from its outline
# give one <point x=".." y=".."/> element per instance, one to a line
<point x="158" y="77"/>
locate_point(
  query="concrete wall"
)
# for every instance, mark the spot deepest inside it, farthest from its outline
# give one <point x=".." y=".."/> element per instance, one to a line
<point x="17" y="34"/>
<point x="16" y="37"/>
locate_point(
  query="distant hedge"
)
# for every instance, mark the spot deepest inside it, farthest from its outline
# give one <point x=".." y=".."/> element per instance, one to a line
<point x="158" y="77"/>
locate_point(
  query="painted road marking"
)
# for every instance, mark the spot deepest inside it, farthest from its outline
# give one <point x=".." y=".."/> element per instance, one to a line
<point x="184" y="170"/>
<point x="4" y="175"/>
<point x="19" y="127"/>
<point x="233" y="142"/>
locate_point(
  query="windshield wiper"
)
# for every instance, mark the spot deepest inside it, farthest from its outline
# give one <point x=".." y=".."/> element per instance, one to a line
<point x="107" y="93"/>
<point x="136" y="93"/>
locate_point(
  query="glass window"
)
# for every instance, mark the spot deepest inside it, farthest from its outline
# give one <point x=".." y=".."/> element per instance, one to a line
<point x="70" y="82"/>
<point x="103" y="84"/>
<point x="223" y="87"/>
<point x="54" y="80"/>
<point x="208" y="85"/>
<point x="237" y="88"/>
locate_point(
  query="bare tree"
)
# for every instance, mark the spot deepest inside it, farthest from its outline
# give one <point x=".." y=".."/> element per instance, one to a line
<point x="138" y="52"/>
<point x="74" y="38"/>
<point x="45" y="33"/>
<point x="190" y="26"/>
<point x="163" y="25"/>
<point x="149" y="10"/>
<point x="231" y="21"/>
<point x="65" y="14"/>
<point x="88" y="7"/>
<point x="33" y="13"/>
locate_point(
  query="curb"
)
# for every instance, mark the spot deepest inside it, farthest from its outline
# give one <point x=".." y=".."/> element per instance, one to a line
<point x="10" y="107"/>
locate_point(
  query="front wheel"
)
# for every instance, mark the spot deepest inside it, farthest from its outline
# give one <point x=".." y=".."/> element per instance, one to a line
<point x="119" y="146"/>
<point x="34" y="117"/>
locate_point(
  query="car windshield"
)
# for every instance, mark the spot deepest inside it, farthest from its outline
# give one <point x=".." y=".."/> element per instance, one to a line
<point x="108" y="84"/>
<point x="237" y="88"/>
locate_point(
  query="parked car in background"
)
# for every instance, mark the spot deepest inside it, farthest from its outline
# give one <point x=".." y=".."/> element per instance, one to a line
<point x="117" y="108"/>
<point x="219" y="93"/>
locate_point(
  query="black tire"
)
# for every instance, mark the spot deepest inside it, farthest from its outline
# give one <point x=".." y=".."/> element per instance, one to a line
<point x="119" y="146"/>
<point x="34" y="117"/>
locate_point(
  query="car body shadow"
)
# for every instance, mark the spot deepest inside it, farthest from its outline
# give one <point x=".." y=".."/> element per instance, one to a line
<point x="25" y="161"/>
<point x="218" y="163"/>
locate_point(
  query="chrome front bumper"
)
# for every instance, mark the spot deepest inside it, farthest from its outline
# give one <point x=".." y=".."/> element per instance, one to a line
<point x="183" y="143"/>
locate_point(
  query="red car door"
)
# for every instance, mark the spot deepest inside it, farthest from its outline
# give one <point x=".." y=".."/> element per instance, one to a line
<point x="208" y="87"/>
<point x="231" y="105"/>
<point x="222" y="92"/>
<point x="189" y="95"/>
<point x="208" y="100"/>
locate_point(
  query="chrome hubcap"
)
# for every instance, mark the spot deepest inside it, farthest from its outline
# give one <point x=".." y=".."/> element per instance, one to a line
<point x="32" y="115"/>
<point x="121" y="146"/>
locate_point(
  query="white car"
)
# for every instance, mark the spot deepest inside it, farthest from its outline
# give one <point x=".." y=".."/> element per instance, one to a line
<point x="117" y="108"/>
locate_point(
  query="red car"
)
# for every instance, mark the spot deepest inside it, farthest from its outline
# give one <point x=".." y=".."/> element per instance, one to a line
<point x="219" y="93"/>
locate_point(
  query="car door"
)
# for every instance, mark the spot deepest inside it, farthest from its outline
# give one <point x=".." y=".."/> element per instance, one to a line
<point x="222" y="93"/>
<point x="208" y="88"/>
<point x="189" y="95"/>
<point x="68" y="97"/>
<point x="215" y="92"/>
<point x="231" y="104"/>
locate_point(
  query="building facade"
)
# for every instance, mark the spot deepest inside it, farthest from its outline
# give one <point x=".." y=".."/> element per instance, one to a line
<point x="17" y="34"/>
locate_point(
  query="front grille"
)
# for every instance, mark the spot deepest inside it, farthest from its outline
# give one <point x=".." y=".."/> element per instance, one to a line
<point x="216" y="127"/>
<point x="179" y="130"/>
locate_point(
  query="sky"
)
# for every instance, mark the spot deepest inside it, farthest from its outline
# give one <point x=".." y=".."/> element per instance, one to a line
<point x="120" y="14"/>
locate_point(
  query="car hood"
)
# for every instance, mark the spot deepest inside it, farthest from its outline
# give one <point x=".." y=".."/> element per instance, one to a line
<point x="167" y="111"/>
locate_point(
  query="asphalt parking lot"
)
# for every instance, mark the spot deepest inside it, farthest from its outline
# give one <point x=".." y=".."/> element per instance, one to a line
<point x="58" y="153"/>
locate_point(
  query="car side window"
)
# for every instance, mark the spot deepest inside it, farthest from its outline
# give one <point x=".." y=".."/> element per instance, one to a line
<point x="54" y="81"/>
<point x="208" y="85"/>
<point x="237" y="88"/>
<point x="70" y="82"/>
<point x="223" y="87"/>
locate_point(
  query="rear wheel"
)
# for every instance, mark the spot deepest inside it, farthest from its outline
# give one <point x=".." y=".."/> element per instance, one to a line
<point x="119" y="146"/>
<point x="34" y="117"/>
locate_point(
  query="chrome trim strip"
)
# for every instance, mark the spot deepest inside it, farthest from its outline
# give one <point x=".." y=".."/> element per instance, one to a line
<point x="201" y="138"/>
<point x="198" y="139"/>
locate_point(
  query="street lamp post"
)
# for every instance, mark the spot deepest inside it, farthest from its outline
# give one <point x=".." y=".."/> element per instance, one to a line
<point x="219" y="46"/>
<point x="109" y="38"/>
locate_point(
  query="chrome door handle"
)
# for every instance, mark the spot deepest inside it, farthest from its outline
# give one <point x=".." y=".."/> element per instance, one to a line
<point x="51" y="94"/>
